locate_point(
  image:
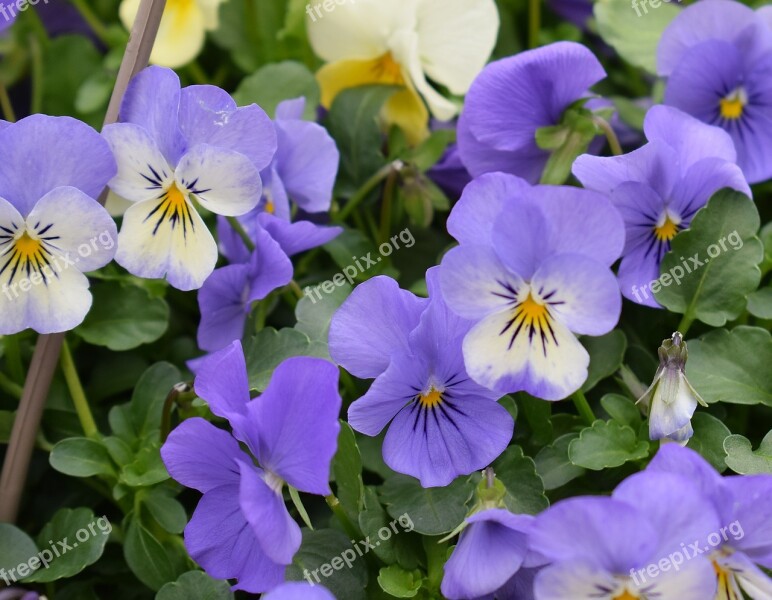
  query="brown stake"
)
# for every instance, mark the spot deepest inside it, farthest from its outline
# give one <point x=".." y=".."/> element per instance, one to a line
<point x="46" y="355"/>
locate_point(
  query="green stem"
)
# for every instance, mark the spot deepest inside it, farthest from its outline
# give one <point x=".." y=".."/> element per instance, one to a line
<point x="611" y="136"/>
<point x="261" y="313"/>
<point x="36" y="103"/>
<point x="13" y="358"/>
<point x="197" y="73"/>
<point x="388" y="197"/>
<point x="580" y="401"/>
<point x="436" y="554"/>
<point x="93" y="21"/>
<point x="534" y="22"/>
<point x="296" y="289"/>
<point x="366" y="188"/>
<point x="5" y="103"/>
<point x="171" y="399"/>
<point x="337" y="509"/>
<point x="76" y="391"/>
<point x="686" y="322"/>
<point x="239" y="228"/>
<point x="11" y="387"/>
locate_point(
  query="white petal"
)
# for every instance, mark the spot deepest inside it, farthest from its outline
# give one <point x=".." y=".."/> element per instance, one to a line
<point x="211" y="12"/>
<point x="223" y="181"/>
<point x="456" y="37"/>
<point x="575" y="581"/>
<point x="506" y="359"/>
<point x="142" y="170"/>
<point x="76" y="225"/>
<point x="748" y="576"/>
<point x="152" y="245"/>
<point x="672" y="406"/>
<point x="695" y="580"/>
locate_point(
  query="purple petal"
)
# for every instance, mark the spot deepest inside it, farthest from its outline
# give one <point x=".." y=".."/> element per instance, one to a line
<point x="372" y="325"/>
<point x="751" y="528"/>
<point x="299" y="236"/>
<point x="40" y="153"/>
<point x="299" y="591"/>
<point x="521" y="238"/>
<point x="224" y="306"/>
<point x="200" y="456"/>
<point x="222" y="381"/>
<point x="701" y="181"/>
<point x="291" y="109"/>
<point x="296" y="423"/>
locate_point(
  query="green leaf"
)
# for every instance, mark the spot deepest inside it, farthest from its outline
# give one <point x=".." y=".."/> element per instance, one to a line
<point x="606" y="444"/>
<point x="347" y="468"/>
<point x="80" y="539"/>
<point x="760" y="303"/>
<point x="553" y="465"/>
<point x="269" y="348"/>
<point x="538" y="414"/>
<point x="327" y="557"/>
<point x="398" y="582"/>
<point x="606" y="355"/>
<point x="16" y="548"/>
<point x="634" y="31"/>
<point x="372" y="518"/>
<point x="118" y="450"/>
<point x="726" y="366"/>
<point x="123" y="317"/>
<point x="273" y="83"/>
<point x="351" y="249"/>
<point x="353" y="123"/>
<point x="167" y="511"/>
<point x="430" y="151"/>
<point x="708" y="439"/>
<point x="314" y="312"/>
<point x="722" y="239"/>
<point x="7" y="418"/>
<point x="434" y="511"/>
<point x="81" y="457"/>
<point x="146" y="469"/>
<point x="146" y="556"/>
<point x="742" y="459"/>
<point x="525" y="489"/>
<point x="621" y="409"/>
<point x="195" y="585"/>
<point x="149" y="396"/>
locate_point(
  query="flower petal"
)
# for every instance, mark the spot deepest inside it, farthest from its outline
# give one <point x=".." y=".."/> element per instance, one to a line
<point x="696" y="580"/>
<point x="576" y="580"/>
<point x="299" y="236"/>
<point x="221" y="380"/>
<point x="668" y="415"/>
<point x="295" y="590"/>
<point x="223" y="306"/>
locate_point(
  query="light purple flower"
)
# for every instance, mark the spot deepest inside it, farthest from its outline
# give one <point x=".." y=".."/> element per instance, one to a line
<point x="440" y="423"/>
<point x="173" y="147"/>
<point x="299" y="591"/>
<point x="659" y="187"/>
<point x="241" y="528"/>
<point x="8" y="14"/>
<point x="717" y="57"/>
<point x="52" y="230"/>
<point x="743" y="542"/>
<point x="492" y="557"/>
<point x="515" y="96"/>
<point x="532" y="270"/>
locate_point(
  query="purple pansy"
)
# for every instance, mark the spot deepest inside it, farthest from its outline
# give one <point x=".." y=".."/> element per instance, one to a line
<point x="52" y="230"/>
<point x="492" y="557"/>
<point x="743" y="543"/>
<point x="515" y="96"/>
<point x="532" y="270"/>
<point x="602" y="548"/>
<point x="241" y="528"/>
<point x="440" y="423"/>
<point x="717" y="57"/>
<point x="173" y="147"/>
<point x="303" y="170"/>
<point x="299" y="591"/>
<point x="659" y="187"/>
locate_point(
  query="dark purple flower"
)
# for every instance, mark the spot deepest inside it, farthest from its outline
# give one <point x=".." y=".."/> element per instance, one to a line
<point x="440" y="423"/>
<point x="717" y="57"/>
<point x="241" y="528"/>
<point x="659" y="187"/>
<point x="515" y="96"/>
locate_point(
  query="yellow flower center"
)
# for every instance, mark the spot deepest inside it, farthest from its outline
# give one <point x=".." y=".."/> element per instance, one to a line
<point x="387" y="70"/>
<point x="726" y="589"/>
<point x="28" y="247"/>
<point x="173" y="208"/>
<point x="431" y="399"/>
<point x="667" y="230"/>
<point x="732" y="106"/>
<point x="269" y="207"/>
<point x="626" y="596"/>
<point x="532" y="311"/>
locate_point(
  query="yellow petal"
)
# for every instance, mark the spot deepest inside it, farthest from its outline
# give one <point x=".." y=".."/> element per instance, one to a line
<point x="407" y="110"/>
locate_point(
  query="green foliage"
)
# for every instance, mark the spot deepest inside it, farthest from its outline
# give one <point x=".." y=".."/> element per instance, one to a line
<point x="606" y="444"/>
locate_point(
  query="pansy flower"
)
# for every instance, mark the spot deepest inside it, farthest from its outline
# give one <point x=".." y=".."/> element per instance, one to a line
<point x="182" y="31"/>
<point x="177" y="149"/>
<point x="717" y="57"/>
<point x="52" y="230"/>
<point x="515" y="96"/>
<point x="601" y="548"/>
<point x="302" y="172"/>
<point x="241" y="528"/>
<point x="294" y="590"/>
<point x="743" y="543"/>
<point x="532" y="271"/>
<point x="492" y="557"/>
<point x="441" y="424"/>
<point x="659" y="187"/>
<point x="405" y="43"/>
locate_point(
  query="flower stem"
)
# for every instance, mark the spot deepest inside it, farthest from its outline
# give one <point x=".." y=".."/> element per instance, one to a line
<point x="239" y="228"/>
<point x="388" y="197"/>
<point x="13" y="358"/>
<point x="337" y="509"/>
<point x="686" y="322"/>
<point x="171" y="399"/>
<point x="93" y="21"/>
<point x="197" y="73"/>
<point x="580" y="401"/>
<point x="366" y="188"/>
<point x="534" y="22"/>
<point x="296" y="289"/>
<point x="5" y="103"/>
<point x="76" y="391"/>
<point x="611" y="136"/>
<point x="10" y="387"/>
<point x="36" y="51"/>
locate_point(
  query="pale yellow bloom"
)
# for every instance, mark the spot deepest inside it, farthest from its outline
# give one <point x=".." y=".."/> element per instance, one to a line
<point x="404" y="42"/>
<point x="182" y="31"/>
